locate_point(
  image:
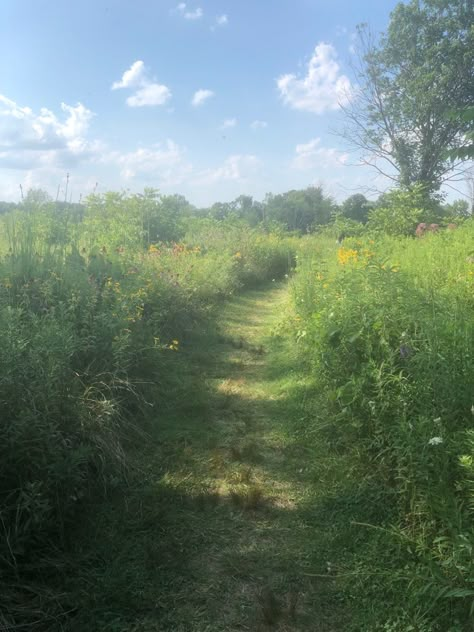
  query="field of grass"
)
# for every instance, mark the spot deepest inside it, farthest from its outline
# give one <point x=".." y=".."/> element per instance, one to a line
<point x="92" y="321"/>
<point x="387" y="326"/>
<point x="221" y="528"/>
<point x="197" y="436"/>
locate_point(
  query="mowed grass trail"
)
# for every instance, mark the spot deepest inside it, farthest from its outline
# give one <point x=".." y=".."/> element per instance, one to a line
<point x="225" y="527"/>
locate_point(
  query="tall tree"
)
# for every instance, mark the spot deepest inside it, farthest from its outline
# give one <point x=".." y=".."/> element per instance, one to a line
<point x="300" y="210"/>
<point x="408" y="82"/>
<point x="356" y="207"/>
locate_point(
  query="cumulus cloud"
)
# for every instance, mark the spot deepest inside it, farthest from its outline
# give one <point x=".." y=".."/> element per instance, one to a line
<point x="311" y="155"/>
<point x="258" y="124"/>
<point x="165" y="164"/>
<point x="132" y="77"/>
<point x="189" y="15"/>
<point x="201" y="96"/>
<point x="146" y="90"/>
<point x="236" y="168"/>
<point x="232" y="122"/>
<point x="323" y="87"/>
<point x="29" y="140"/>
<point x="153" y="94"/>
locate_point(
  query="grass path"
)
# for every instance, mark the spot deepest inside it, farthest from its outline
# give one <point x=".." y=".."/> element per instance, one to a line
<point x="223" y="530"/>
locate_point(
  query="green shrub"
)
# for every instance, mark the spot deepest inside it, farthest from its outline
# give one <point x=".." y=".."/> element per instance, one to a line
<point x="400" y="211"/>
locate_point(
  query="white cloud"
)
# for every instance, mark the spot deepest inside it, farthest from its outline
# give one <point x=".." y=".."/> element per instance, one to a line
<point x="133" y="77"/>
<point x="31" y="140"/>
<point x="232" y="122"/>
<point x="258" y="124"/>
<point x="164" y="164"/>
<point x="222" y="20"/>
<point x="153" y="94"/>
<point x="147" y="90"/>
<point x="311" y="155"/>
<point x="236" y="168"/>
<point x="201" y="96"/>
<point x="189" y="15"/>
<point x="322" y="88"/>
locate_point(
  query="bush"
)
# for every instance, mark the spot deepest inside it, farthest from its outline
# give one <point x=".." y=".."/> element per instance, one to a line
<point x="399" y="211"/>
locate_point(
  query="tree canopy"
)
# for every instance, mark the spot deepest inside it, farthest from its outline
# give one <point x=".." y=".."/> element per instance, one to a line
<point x="409" y="81"/>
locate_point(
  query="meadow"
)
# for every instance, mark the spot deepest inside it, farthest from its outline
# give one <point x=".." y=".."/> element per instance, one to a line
<point x="92" y="315"/>
<point x="184" y="391"/>
<point x="386" y="326"/>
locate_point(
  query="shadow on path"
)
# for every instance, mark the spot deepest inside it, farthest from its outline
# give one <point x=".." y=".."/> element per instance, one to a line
<point x="229" y="524"/>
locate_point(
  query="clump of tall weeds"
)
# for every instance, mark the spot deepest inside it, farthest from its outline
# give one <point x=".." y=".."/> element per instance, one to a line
<point x="388" y="327"/>
<point x="92" y="318"/>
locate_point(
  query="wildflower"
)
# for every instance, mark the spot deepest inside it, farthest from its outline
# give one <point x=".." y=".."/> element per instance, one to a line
<point x="238" y="255"/>
<point x="435" y="441"/>
<point x="347" y="255"/>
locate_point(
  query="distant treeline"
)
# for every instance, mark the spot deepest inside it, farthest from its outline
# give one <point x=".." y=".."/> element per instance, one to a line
<point x="167" y="217"/>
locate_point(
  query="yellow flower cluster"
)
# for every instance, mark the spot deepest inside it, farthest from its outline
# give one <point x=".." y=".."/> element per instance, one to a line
<point x="347" y="255"/>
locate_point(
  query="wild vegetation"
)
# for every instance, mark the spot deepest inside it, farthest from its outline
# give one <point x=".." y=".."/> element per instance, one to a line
<point x="256" y="415"/>
<point x="92" y="315"/>
<point x="386" y="325"/>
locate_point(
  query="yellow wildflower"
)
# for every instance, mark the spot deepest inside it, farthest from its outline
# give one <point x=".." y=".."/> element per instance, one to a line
<point x="347" y="255"/>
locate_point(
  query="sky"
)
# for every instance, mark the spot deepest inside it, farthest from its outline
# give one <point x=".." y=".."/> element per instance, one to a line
<point x="210" y="99"/>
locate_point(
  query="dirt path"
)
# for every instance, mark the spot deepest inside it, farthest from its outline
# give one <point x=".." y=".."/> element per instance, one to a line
<point x="253" y="542"/>
<point x="225" y="531"/>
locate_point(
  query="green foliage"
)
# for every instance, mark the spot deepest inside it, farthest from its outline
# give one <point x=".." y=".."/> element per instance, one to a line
<point x="388" y="329"/>
<point x="456" y="211"/>
<point x="356" y="207"/>
<point x="300" y="211"/>
<point x="399" y="211"/>
<point x="119" y="220"/>
<point x="410" y="82"/>
<point x="465" y="148"/>
<point x="92" y="317"/>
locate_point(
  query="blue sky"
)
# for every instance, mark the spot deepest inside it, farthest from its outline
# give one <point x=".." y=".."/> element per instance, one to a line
<point x="208" y="98"/>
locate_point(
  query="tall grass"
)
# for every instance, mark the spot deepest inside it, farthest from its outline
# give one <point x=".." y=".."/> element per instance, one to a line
<point x="91" y="319"/>
<point x="388" y="327"/>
